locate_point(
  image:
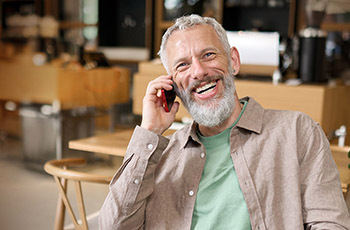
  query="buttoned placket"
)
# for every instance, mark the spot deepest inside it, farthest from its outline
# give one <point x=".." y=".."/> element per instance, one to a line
<point x="202" y="156"/>
<point x="245" y="181"/>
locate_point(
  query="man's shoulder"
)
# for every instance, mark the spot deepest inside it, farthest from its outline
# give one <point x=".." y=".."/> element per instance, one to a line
<point x="287" y="114"/>
<point x="279" y="114"/>
<point x="258" y="118"/>
<point x="288" y="119"/>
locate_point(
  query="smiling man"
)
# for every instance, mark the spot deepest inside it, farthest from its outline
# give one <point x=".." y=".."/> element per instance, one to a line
<point x="237" y="166"/>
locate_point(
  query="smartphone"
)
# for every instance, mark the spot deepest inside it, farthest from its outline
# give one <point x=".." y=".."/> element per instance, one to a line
<point x="168" y="97"/>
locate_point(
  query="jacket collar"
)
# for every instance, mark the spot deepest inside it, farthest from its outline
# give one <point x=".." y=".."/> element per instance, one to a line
<point x="252" y="118"/>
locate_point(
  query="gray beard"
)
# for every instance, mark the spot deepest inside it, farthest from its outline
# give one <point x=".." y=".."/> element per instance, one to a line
<point x="214" y="111"/>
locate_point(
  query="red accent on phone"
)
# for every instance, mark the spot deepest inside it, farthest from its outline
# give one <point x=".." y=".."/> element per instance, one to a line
<point x="165" y="104"/>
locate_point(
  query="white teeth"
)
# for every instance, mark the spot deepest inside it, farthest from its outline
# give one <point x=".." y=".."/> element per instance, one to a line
<point x="205" y="87"/>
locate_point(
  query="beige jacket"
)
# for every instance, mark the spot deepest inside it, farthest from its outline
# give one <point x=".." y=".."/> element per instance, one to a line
<point x="283" y="163"/>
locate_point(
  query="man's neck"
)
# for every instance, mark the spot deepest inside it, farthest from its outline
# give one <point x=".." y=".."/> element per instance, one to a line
<point x="211" y="131"/>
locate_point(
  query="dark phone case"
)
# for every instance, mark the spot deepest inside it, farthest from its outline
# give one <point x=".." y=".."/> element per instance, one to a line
<point x="168" y="99"/>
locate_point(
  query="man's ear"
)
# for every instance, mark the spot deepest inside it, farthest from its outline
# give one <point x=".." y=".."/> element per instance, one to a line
<point x="235" y="60"/>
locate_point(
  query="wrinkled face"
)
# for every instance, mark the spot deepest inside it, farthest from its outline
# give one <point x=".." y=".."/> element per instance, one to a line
<point x="202" y="73"/>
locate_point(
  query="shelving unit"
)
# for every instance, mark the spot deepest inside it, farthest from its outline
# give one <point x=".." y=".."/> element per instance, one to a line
<point x="20" y="7"/>
<point x="220" y="11"/>
<point x="125" y="30"/>
<point x="261" y="17"/>
<point x="326" y="25"/>
<point x="161" y="24"/>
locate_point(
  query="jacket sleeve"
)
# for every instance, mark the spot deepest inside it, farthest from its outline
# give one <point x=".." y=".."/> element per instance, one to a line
<point x="323" y="202"/>
<point x="125" y="204"/>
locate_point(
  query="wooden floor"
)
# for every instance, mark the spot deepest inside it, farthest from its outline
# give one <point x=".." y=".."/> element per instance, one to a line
<point x="29" y="196"/>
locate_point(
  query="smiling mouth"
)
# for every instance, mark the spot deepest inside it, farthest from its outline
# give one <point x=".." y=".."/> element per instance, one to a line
<point x="206" y="88"/>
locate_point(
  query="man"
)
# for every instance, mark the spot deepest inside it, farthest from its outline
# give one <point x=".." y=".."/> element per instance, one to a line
<point x="238" y="166"/>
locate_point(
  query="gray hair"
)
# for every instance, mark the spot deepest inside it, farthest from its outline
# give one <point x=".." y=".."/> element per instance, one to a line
<point x="186" y="22"/>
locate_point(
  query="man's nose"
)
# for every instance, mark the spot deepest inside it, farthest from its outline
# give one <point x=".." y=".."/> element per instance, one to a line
<point x="199" y="69"/>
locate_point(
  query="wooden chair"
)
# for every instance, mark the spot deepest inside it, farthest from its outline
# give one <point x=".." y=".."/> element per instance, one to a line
<point x="341" y="156"/>
<point x="59" y="170"/>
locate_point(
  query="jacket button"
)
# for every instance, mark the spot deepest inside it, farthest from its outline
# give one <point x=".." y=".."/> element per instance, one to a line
<point x="150" y="146"/>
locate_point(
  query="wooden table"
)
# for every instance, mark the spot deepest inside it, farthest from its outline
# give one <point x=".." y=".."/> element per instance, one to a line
<point x="114" y="144"/>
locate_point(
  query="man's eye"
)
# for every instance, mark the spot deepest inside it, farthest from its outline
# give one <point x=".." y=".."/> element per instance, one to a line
<point x="209" y="54"/>
<point x="181" y="65"/>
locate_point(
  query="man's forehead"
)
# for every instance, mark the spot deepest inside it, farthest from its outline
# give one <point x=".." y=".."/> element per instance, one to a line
<point x="195" y="27"/>
<point x="206" y="32"/>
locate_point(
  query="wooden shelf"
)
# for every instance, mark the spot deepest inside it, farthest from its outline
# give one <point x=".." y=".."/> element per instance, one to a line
<point x="75" y="25"/>
<point x="336" y="26"/>
<point x="165" y="24"/>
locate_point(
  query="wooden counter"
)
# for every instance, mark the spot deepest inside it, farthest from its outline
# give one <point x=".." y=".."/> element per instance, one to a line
<point x="327" y="105"/>
<point x="24" y="82"/>
<point x="67" y="88"/>
<point x="330" y="106"/>
<point x="114" y="144"/>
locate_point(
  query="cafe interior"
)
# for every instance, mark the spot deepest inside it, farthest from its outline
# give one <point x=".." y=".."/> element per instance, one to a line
<point x="73" y="74"/>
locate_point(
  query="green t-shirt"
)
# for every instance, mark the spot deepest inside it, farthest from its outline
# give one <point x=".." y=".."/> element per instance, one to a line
<point x="220" y="203"/>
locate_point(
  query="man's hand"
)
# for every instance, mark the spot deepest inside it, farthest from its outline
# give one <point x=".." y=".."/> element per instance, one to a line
<point x="154" y="116"/>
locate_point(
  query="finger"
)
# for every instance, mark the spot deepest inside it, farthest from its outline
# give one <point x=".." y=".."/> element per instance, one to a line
<point x="155" y="86"/>
<point x="163" y="82"/>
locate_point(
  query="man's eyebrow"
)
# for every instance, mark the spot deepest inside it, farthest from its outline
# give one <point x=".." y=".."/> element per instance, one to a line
<point x="182" y="59"/>
<point x="209" y="49"/>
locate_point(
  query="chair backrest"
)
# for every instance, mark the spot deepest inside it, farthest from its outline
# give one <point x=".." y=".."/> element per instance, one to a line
<point x="59" y="170"/>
